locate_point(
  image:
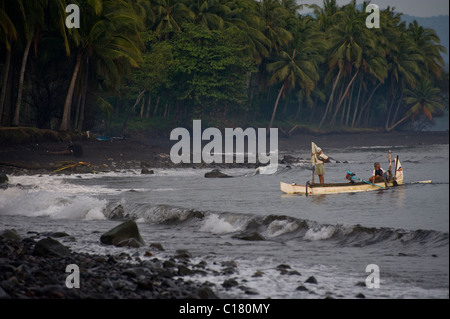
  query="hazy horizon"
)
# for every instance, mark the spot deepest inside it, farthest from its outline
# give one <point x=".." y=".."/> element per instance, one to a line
<point x="417" y="8"/>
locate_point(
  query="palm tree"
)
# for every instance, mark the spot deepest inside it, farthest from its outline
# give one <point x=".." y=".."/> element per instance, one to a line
<point x="243" y="18"/>
<point x="428" y="43"/>
<point x="347" y="40"/>
<point x="208" y="13"/>
<point x="292" y="70"/>
<point x="170" y="14"/>
<point x="107" y="40"/>
<point x="425" y="99"/>
<point x="8" y="34"/>
<point x="33" y="16"/>
<point x="404" y="71"/>
<point x="274" y="18"/>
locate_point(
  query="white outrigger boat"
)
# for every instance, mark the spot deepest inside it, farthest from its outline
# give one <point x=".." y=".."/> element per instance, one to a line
<point x="333" y="188"/>
<point x="353" y="186"/>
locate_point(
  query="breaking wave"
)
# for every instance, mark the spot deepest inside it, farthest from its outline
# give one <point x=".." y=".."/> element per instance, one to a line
<point x="284" y="228"/>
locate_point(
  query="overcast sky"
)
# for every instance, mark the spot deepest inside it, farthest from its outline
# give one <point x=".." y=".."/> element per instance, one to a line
<point x="418" y="8"/>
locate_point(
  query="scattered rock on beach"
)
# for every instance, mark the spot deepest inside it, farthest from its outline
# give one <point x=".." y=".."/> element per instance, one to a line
<point x="182" y="254"/>
<point x="229" y="283"/>
<point x="50" y="247"/>
<point x="157" y="246"/>
<point x="302" y="288"/>
<point x="311" y="280"/>
<point x="146" y="171"/>
<point x="123" y="232"/>
<point x="206" y="293"/>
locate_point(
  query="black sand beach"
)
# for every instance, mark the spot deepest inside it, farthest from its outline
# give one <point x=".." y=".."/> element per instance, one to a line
<point x="35" y="158"/>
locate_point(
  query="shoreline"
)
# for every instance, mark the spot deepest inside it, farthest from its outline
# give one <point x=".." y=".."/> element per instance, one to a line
<point x="107" y="156"/>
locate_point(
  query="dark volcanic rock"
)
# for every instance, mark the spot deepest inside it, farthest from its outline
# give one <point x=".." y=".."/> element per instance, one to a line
<point x="123" y="232"/>
<point x="229" y="283"/>
<point x="206" y="293"/>
<point x="3" y="179"/>
<point x="252" y="236"/>
<point x="50" y="247"/>
<point x="301" y="288"/>
<point x="215" y="173"/>
<point x="10" y="235"/>
<point x="25" y="275"/>
<point x="311" y="280"/>
<point x="147" y="171"/>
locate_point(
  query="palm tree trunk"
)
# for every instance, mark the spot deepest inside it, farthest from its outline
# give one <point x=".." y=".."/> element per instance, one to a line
<point x="141" y="113"/>
<point x="156" y="106"/>
<point x="275" y="107"/>
<point x="398" y="106"/>
<point x="331" y="98"/>
<point x="367" y="103"/>
<point x="5" y="80"/>
<point x="397" y="123"/>
<point x="349" y="105"/>
<point x="125" y="124"/>
<point x="65" y="121"/>
<point x="78" y="107"/>
<point x="388" y="119"/>
<point x="299" y="110"/>
<point x="79" y="124"/>
<point x="21" y="80"/>
<point x="356" y="105"/>
<point x="333" y="120"/>
<point x="149" y="104"/>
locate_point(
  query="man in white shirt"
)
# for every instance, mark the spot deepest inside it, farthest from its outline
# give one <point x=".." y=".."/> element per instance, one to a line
<point x="319" y="168"/>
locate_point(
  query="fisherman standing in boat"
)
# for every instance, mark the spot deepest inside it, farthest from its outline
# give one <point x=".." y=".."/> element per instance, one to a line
<point x="378" y="174"/>
<point x="319" y="169"/>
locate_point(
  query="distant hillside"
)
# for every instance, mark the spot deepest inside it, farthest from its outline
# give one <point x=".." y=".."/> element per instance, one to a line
<point x="440" y="24"/>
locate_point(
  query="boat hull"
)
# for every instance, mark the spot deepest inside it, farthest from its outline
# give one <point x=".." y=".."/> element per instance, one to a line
<point x="322" y="189"/>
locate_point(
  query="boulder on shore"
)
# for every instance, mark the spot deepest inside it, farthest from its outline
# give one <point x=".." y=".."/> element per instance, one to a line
<point x="123" y="233"/>
<point x="10" y="235"/>
<point x="50" y="247"/>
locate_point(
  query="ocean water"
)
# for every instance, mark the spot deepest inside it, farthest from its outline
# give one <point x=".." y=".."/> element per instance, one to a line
<point x="403" y="230"/>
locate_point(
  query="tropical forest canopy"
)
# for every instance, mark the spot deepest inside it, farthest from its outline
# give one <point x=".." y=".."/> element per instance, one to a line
<point x="156" y="63"/>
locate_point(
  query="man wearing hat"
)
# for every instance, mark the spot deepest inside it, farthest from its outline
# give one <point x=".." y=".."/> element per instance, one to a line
<point x="378" y="173"/>
<point x="319" y="168"/>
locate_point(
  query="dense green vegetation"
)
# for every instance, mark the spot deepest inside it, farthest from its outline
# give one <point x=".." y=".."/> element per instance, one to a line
<point x="162" y="63"/>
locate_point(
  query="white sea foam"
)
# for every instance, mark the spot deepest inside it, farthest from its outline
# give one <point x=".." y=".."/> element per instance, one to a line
<point x="280" y="227"/>
<point x="324" y="232"/>
<point x="59" y="184"/>
<point x="222" y="224"/>
<point x="52" y="204"/>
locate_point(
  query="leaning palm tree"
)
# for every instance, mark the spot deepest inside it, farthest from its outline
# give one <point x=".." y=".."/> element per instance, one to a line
<point x="291" y="70"/>
<point x="423" y="100"/>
